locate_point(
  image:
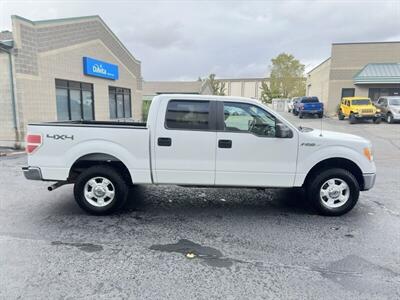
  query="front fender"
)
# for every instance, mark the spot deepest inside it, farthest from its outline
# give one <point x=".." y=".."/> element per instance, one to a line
<point x="307" y="160"/>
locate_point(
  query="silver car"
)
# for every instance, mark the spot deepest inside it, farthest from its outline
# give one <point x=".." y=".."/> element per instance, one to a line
<point x="390" y="108"/>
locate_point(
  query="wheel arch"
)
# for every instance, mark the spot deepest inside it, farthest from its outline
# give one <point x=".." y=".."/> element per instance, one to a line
<point x="337" y="162"/>
<point x="99" y="159"/>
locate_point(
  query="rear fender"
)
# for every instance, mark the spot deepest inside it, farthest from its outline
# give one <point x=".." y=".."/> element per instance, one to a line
<point x="104" y="147"/>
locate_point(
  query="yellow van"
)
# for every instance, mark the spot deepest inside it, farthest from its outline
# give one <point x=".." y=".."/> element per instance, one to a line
<point x="358" y="108"/>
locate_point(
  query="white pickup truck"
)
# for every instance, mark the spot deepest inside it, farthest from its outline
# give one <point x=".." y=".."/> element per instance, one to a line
<point x="204" y="141"/>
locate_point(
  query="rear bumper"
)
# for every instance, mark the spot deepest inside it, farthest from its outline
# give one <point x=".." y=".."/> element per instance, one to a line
<point x="312" y="111"/>
<point x="369" y="181"/>
<point x="32" y="173"/>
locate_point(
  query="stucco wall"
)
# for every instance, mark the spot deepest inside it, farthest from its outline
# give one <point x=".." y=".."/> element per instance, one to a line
<point x="246" y="87"/>
<point x="7" y="133"/>
<point x="317" y="83"/>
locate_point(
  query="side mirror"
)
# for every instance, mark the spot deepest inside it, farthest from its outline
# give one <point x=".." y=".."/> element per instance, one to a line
<point x="283" y="131"/>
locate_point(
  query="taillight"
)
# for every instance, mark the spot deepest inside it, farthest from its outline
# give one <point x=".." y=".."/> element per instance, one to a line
<point x="33" y="141"/>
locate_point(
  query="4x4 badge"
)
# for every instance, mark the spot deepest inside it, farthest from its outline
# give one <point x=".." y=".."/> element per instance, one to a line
<point x="60" y="137"/>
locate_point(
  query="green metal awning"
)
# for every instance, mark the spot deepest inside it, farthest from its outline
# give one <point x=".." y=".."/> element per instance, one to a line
<point x="381" y="73"/>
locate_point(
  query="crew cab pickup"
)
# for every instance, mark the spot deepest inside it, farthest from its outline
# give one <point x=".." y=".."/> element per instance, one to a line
<point x="193" y="140"/>
<point x="308" y="105"/>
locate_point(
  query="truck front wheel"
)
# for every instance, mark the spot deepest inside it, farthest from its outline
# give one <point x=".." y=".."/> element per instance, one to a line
<point x="100" y="190"/>
<point x="333" y="192"/>
<point x="352" y="119"/>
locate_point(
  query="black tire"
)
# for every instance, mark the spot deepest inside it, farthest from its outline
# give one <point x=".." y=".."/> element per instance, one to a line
<point x="314" y="185"/>
<point x="352" y="119"/>
<point x="300" y="115"/>
<point x="340" y="116"/>
<point x="320" y="115"/>
<point x="389" y="118"/>
<point x="118" y="185"/>
<point x="295" y="113"/>
<point x="376" y="120"/>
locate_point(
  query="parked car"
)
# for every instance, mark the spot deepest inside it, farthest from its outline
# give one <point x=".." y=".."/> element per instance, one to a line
<point x="291" y="103"/>
<point x="308" y="106"/>
<point x="390" y="108"/>
<point x="358" y="108"/>
<point x="197" y="140"/>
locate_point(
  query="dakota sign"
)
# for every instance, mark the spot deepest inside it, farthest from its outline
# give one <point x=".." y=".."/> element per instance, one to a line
<point x="98" y="68"/>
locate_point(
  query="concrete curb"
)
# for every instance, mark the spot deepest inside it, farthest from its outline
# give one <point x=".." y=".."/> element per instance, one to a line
<point x="11" y="153"/>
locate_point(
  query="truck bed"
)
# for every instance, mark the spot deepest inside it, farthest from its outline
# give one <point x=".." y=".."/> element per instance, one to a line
<point x="64" y="143"/>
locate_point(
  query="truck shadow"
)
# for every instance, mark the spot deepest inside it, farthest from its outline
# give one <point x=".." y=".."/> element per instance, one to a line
<point x="181" y="199"/>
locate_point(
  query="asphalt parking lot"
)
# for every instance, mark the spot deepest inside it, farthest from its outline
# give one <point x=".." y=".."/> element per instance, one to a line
<point x="248" y="244"/>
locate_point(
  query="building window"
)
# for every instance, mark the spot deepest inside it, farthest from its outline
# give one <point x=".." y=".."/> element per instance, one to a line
<point x="74" y="100"/>
<point x="120" y="103"/>
<point x="348" y="92"/>
<point x="189" y="115"/>
<point x="375" y="93"/>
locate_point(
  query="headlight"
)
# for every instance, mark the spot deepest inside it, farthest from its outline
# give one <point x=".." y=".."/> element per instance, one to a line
<point x="378" y="110"/>
<point x="368" y="154"/>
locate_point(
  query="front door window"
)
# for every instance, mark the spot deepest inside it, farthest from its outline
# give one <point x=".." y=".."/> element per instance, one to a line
<point x="243" y="117"/>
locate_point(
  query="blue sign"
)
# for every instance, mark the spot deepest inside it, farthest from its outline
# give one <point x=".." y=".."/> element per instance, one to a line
<point x="98" y="68"/>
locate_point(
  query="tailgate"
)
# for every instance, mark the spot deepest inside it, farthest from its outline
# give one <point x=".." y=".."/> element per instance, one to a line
<point x="313" y="106"/>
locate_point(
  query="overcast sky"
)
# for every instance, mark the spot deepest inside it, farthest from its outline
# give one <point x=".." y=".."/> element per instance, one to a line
<point x="187" y="39"/>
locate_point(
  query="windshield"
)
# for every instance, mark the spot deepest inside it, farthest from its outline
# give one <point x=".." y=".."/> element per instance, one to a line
<point x="394" y="101"/>
<point x="361" y="102"/>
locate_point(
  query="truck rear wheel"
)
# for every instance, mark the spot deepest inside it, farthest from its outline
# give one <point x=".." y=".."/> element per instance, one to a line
<point x="340" y="116"/>
<point x="100" y="190"/>
<point x="333" y="192"/>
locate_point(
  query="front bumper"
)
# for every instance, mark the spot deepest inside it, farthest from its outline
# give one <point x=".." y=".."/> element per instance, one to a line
<point x="368" y="117"/>
<point x="369" y="181"/>
<point x="32" y="173"/>
<point x="396" y="117"/>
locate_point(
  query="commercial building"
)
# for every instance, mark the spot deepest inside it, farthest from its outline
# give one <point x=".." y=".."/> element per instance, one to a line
<point x="356" y="69"/>
<point x="244" y="87"/>
<point x="64" y="69"/>
<point x="154" y="88"/>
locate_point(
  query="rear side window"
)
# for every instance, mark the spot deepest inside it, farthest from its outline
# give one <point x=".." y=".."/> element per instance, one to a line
<point x="189" y="115"/>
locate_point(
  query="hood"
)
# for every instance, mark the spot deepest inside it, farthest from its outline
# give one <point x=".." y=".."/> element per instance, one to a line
<point x="335" y="137"/>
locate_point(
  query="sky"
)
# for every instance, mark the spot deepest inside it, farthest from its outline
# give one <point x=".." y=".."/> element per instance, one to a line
<point x="185" y="40"/>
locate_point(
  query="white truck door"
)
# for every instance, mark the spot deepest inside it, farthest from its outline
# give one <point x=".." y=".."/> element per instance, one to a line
<point x="248" y="151"/>
<point x="185" y="142"/>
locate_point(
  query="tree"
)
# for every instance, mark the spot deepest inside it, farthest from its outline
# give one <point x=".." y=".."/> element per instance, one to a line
<point x="267" y="94"/>
<point x="287" y="76"/>
<point x="217" y="87"/>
